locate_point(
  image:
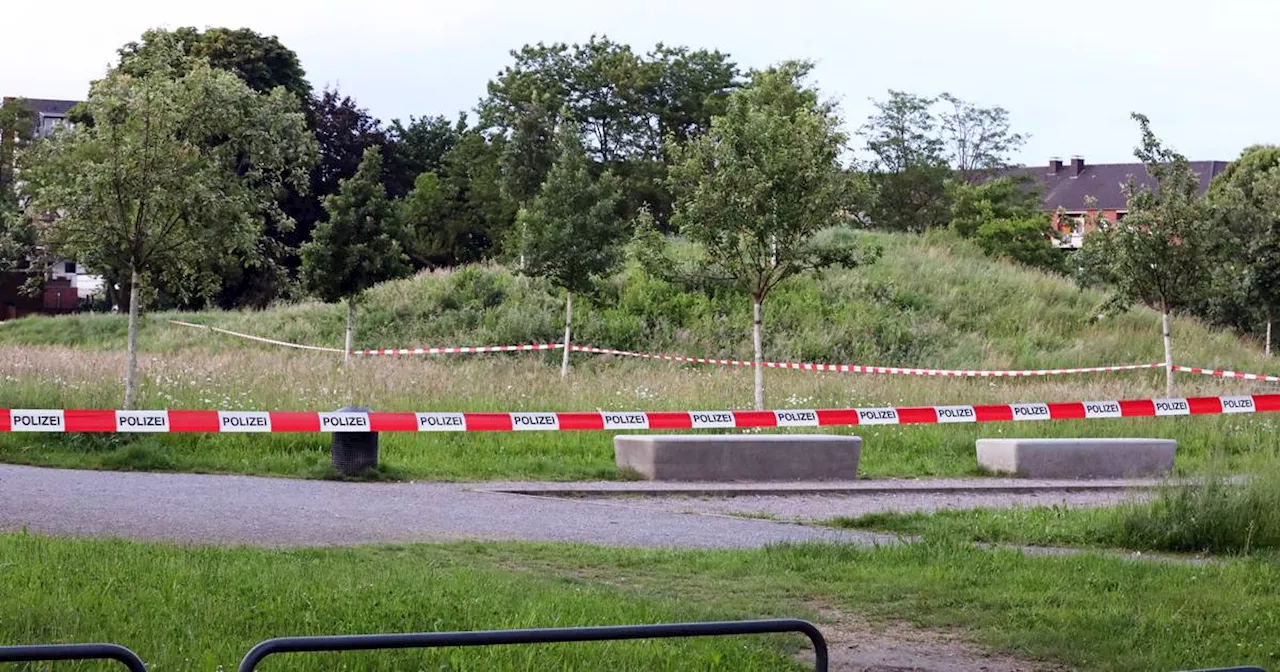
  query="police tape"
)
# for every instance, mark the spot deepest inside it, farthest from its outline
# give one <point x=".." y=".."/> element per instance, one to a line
<point x="1226" y="374"/>
<point x="251" y="337"/>
<point x="18" y="420"/>
<point x="860" y="368"/>
<point x="460" y="350"/>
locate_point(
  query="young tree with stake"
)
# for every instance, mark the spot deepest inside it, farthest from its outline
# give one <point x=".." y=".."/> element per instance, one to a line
<point x="571" y="232"/>
<point x="1163" y="250"/>
<point x="181" y="165"/>
<point x="755" y="191"/>
<point x="358" y="246"/>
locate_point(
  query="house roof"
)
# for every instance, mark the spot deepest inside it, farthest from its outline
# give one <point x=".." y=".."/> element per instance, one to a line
<point x="47" y="107"/>
<point x="1069" y="191"/>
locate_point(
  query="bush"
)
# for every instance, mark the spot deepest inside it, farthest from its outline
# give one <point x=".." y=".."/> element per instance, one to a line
<point x="1026" y="241"/>
<point x="1215" y="516"/>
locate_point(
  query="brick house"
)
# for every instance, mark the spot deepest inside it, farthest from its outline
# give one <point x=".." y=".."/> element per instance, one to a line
<point x="1069" y="186"/>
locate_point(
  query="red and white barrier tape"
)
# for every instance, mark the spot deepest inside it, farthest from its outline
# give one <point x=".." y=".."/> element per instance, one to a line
<point x="263" y="421"/>
<point x="459" y="350"/>
<point x="859" y="368"/>
<point x="1226" y="374"/>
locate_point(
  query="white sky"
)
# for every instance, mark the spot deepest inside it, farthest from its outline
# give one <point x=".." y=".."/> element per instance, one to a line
<point x="1207" y="72"/>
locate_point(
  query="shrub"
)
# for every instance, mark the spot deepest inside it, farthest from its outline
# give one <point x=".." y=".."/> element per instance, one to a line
<point x="1026" y="241"/>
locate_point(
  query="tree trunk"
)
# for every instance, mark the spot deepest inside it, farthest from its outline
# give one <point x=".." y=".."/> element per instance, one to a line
<point x="1268" y="350"/>
<point x="757" y="324"/>
<point x="131" y="367"/>
<point x="1168" y="352"/>
<point x="568" y="326"/>
<point x="351" y="330"/>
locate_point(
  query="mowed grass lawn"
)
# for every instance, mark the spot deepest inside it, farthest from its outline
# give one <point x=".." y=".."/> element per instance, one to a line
<point x="259" y="379"/>
<point x="184" y="608"/>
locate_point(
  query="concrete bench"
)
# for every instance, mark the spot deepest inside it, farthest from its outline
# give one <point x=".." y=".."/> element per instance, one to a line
<point x="738" y="457"/>
<point x="1077" y="458"/>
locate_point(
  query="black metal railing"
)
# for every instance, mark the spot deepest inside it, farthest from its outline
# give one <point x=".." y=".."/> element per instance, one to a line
<point x="48" y="652"/>
<point x="537" y="636"/>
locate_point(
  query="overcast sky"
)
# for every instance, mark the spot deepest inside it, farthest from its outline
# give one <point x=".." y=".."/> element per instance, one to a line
<point x="1207" y="72"/>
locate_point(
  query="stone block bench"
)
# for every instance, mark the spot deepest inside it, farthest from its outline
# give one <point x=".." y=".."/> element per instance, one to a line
<point x="738" y="457"/>
<point x="1077" y="458"/>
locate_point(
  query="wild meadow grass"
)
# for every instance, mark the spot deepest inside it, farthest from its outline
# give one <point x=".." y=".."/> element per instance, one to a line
<point x="256" y="379"/>
<point x="184" y="608"/>
<point x="1216" y="515"/>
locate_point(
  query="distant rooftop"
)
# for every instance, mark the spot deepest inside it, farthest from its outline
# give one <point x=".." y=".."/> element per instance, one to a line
<point x="1067" y="185"/>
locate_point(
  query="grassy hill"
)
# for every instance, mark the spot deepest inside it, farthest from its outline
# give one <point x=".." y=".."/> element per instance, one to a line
<point x="935" y="301"/>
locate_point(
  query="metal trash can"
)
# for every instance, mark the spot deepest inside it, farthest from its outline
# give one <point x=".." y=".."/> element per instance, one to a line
<point x="354" y="452"/>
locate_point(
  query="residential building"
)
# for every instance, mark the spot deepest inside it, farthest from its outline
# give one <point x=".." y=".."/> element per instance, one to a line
<point x="67" y="281"/>
<point x="1089" y="192"/>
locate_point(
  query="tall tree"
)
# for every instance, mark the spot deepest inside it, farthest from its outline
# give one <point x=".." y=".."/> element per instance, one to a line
<point x="358" y="246"/>
<point x="1246" y="199"/>
<point x="415" y="148"/>
<point x="977" y="139"/>
<point x="263" y="62"/>
<point x="571" y="232"/>
<point x="17" y="124"/>
<point x="624" y="104"/>
<point x="180" y="166"/>
<point x="756" y="189"/>
<point x="909" y="171"/>
<point x="1163" y="250"/>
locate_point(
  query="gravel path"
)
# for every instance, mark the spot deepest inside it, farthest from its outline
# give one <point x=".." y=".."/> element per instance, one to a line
<point x="194" y="508"/>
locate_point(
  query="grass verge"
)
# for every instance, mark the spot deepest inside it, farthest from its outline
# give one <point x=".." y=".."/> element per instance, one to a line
<point x="201" y="608"/>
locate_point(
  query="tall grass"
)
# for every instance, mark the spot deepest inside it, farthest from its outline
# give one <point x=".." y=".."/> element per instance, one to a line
<point x="1219" y="515"/>
<point x="935" y="301"/>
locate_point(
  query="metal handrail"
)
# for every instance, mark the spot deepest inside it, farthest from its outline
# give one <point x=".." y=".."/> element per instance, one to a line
<point x="536" y="636"/>
<point x="47" y="652"/>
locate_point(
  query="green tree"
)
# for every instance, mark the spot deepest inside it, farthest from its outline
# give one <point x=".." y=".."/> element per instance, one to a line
<point x="571" y="233"/>
<point x="262" y="62"/>
<point x="1246" y="200"/>
<point x="909" y="170"/>
<point x="977" y="139"/>
<point x="358" y="246"/>
<point x="179" y="167"/>
<point x="416" y="148"/>
<point x="17" y="124"/>
<point x="976" y="203"/>
<point x="1163" y="250"/>
<point x="756" y="189"/>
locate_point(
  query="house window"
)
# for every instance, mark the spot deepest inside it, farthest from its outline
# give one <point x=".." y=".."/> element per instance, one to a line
<point x="69" y="267"/>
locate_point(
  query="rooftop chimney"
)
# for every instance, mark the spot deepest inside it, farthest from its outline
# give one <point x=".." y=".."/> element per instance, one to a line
<point x="1077" y="166"/>
<point x="1055" y="165"/>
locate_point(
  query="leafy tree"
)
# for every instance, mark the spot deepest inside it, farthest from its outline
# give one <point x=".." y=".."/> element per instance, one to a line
<point x="417" y="148"/>
<point x="262" y="62"/>
<point x="1246" y="200"/>
<point x="624" y="104"/>
<point x="977" y="139"/>
<point x="756" y="189"/>
<point x="571" y="232"/>
<point x="976" y="203"/>
<point x="17" y="124"/>
<point x="909" y="170"/>
<point x="180" y="166"/>
<point x="1026" y="241"/>
<point x="529" y="152"/>
<point x="357" y="247"/>
<point x="1163" y="250"/>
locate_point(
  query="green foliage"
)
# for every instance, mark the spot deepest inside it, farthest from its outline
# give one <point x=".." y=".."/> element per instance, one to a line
<point x="978" y="139"/>
<point x="261" y="62"/>
<point x="1163" y="250"/>
<point x="1245" y="200"/>
<point x="358" y="246"/>
<point x="1026" y="241"/>
<point x="1216" y="516"/>
<point x="176" y="173"/>
<point x="417" y="148"/>
<point x="625" y="104"/>
<point x="757" y="187"/>
<point x="571" y="233"/>
<point x="17" y="235"/>
<point x="909" y="171"/>
<point x="976" y="203"/>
